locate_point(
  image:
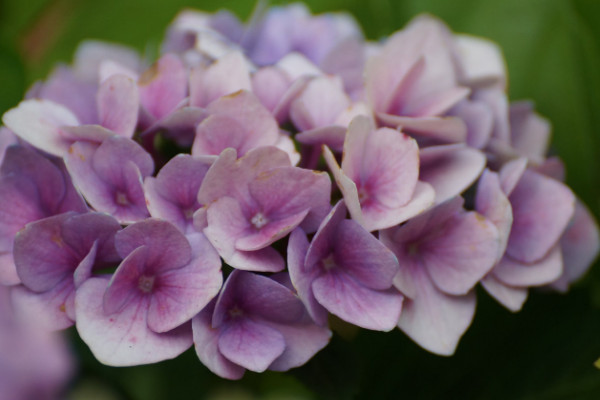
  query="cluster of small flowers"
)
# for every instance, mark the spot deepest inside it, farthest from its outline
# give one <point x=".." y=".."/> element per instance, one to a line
<point x="125" y="188"/>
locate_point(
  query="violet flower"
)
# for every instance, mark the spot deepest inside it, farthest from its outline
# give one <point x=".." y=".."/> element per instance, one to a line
<point x="256" y="324"/>
<point x="32" y="187"/>
<point x="139" y="315"/>
<point x="53" y="257"/>
<point x="442" y="255"/>
<point x="346" y="271"/>
<point x="257" y="200"/>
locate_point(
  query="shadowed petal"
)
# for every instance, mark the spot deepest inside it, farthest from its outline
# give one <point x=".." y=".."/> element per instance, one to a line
<point x="510" y="297"/>
<point x="541" y="272"/>
<point x="542" y="208"/>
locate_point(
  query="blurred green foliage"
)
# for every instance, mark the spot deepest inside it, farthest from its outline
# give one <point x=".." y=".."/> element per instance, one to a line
<point x="547" y="351"/>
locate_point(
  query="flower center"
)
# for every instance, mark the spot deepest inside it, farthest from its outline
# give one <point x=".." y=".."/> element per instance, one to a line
<point x="328" y="263"/>
<point x="363" y="196"/>
<point x="259" y="220"/>
<point x="188" y="213"/>
<point x="121" y="198"/>
<point x="235" y="312"/>
<point x="413" y="249"/>
<point x="146" y="283"/>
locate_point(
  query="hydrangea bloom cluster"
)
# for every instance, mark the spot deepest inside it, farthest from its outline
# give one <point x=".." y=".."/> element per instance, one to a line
<point x="258" y="178"/>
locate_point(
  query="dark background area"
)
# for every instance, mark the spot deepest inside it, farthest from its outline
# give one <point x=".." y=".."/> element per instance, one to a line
<point x="547" y="351"/>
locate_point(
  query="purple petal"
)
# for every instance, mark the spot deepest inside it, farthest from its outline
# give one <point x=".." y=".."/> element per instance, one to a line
<point x="301" y="278"/>
<point x="172" y="195"/>
<point x="479" y="120"/>
<point x="252" y="125"/>
<point x="226" y="223"/>
<point x="341" y="295"/>
<point x="42" y="257"/>
<point x="123" y="338"/>
<point x="384" y="163"/>
<point x="282" y="192"/>
<point x="491" y="202"/>
<point x="450" y="169"/>
<point x="182" y="293"/>
<point x="542" y="208"/>
<point x="530" y="133"/>
<point x="363" y="257"/>
<point x="302" y="342"/>
<point x="229" y="176"/>
<point x="511" y="173"/>
<point x="167" y="246"/>
<point x="250" y="344"/>
<point x="180" y="125"/>
<point x="125" y="286"/>
<point x="206" y="341"/>
<point x="462" y="252"/>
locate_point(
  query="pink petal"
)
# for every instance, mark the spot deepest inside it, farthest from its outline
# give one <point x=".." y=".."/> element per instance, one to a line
<point x="163" y="86"/>
<point x="124" y="339"/>
<point x="118" y="105"/>
<point x="319" y="104"/>
<point x="226" y="75"/>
